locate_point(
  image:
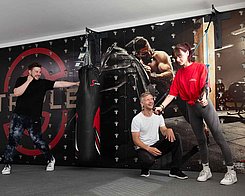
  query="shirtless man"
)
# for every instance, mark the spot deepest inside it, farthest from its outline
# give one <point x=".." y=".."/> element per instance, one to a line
<point x="157" y="63"/>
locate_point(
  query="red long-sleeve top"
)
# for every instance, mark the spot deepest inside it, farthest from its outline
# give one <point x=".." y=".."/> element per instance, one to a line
<point x="189" y="82"/>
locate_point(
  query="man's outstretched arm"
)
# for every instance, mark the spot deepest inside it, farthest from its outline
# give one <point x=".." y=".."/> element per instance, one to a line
<point x="64" y="84"/>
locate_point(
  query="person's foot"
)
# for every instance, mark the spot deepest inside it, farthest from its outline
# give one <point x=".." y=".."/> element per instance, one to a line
<point x="176" y="173"/>
<point x="50" y="166"/>
<point x="204" y="175"/>
<point x="230" y="178"/>
<point x="6" y="170"/>
<point x="145" y="172"/>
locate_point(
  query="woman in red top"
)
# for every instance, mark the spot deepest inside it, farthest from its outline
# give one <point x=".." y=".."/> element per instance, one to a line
<point x="190" y="84"/>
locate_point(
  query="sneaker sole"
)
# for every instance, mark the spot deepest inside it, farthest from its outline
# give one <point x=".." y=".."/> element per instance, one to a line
<point x="228" y="183"/>
<point x="5" y="173"/>
<point x="49" y="170"/>
<point x="204" y="180"/>
<point x="144" y="175"/>
<point x="174" y="176"/>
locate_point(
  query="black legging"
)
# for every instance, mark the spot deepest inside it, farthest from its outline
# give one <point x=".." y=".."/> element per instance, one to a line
<point x="197" y="114"/>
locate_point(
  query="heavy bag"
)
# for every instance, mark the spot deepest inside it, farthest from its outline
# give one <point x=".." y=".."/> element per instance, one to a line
<point x="88" y="116"/>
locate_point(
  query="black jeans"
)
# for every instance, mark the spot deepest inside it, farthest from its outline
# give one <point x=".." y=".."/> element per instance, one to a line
<point x="18" y="124"/>
<point x="147" y="159"/>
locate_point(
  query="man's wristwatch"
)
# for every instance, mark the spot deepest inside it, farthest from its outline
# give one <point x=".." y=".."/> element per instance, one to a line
<point x="162" y="106"/>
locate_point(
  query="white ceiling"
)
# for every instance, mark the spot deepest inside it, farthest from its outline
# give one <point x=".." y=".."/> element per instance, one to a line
<point x="27" y="21"/>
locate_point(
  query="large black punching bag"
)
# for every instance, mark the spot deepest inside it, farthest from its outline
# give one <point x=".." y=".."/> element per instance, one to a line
<point x="88" y="116"/>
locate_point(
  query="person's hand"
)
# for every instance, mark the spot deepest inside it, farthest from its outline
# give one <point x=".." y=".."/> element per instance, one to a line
<point x="147" y="68"/>
<point x="158" y="110"/>
<point x="169" y="134"/>
<point x="29" y="78"/>
<point x="154" y="151"/>
<point x="77" y="83"/>
<point x="203" y="101"/>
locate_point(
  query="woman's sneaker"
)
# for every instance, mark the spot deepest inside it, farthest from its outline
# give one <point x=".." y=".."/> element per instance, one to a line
<point x="230" y="178"/>
<point x="204" y="175"/>
<point x="6" y="170"/>
<point x="50" y="166"/>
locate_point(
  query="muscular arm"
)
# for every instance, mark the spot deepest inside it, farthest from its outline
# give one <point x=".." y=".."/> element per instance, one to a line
<point x="166" y="71"/>
<point x="163" y="63"/>
<point x="64" y="84"/>
<point x="136" y="139"/>
<point x="22" y="88"/>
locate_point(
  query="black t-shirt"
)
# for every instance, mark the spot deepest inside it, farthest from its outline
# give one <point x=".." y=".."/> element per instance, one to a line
<point x="30" y="103"/>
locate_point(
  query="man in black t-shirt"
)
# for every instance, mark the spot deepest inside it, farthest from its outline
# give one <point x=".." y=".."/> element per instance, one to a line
<point x="30" y="92"/>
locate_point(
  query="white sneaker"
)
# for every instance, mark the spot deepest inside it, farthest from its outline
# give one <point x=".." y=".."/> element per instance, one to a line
<point x="204" y="175"/>
<point x="50" y="166"/>
<point x="230" y="178"/>
<point x="6" y="170"/>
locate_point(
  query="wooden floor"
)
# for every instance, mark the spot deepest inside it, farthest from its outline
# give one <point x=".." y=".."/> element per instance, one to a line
<point x="33" y="180"/>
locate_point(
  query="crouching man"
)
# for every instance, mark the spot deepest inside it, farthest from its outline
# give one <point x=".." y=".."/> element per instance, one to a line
<point x="145" y="133"/>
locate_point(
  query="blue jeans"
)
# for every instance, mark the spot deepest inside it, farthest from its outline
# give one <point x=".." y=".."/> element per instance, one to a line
<point x="18" y="124"/>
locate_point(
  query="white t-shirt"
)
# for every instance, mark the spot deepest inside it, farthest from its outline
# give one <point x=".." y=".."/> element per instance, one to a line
<point x="148" y="127"/>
